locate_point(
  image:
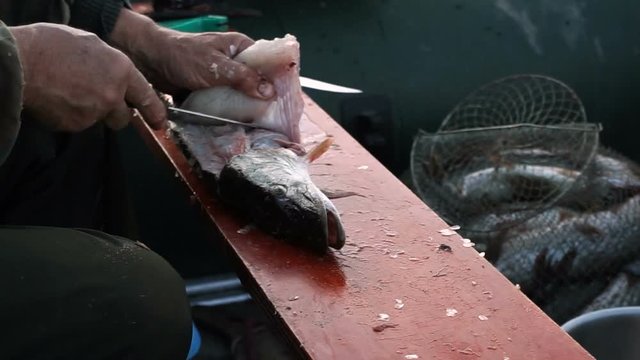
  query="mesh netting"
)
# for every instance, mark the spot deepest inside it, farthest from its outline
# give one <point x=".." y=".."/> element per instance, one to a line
<point x="519" y="168"/>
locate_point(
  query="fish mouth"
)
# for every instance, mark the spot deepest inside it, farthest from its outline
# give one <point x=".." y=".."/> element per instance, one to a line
<point x="335" y="235"/>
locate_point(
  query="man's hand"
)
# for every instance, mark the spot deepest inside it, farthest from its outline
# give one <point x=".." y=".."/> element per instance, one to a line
<point x="73" y="80"/>
<point x="177" y="60"/>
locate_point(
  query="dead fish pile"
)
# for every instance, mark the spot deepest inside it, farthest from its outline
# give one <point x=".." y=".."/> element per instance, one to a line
<point x="578" y="255"/>
<point x="565" y="234"/>
<point x="262" y="173"/>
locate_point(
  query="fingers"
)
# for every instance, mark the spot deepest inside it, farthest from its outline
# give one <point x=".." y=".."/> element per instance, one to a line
<point x="119" y="117"/>
<point x="233" y="43"/>
<point x="141" y="96"/>
<point x="242" y="78"/>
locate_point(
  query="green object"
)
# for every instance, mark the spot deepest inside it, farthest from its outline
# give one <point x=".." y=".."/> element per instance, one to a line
<point x="198" y="24"/>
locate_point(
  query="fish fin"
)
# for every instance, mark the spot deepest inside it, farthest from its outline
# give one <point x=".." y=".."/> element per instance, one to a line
<point x="318" y="150"/>
<point x="289" y="104"/>
<point x="338" y="194"/>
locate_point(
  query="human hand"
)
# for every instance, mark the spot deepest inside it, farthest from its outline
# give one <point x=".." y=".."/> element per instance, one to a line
<point x="73" y="80"/>
<point x="176" y="60"/>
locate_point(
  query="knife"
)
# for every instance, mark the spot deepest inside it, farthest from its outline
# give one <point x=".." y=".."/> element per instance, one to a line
<point x="325" y="86"/>
<point x="192" y="117"/>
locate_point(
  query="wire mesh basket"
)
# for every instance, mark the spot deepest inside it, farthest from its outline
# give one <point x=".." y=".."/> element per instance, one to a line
<point x="519" y="168"/>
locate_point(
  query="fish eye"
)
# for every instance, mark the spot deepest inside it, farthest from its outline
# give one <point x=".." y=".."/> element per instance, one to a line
<point x="279" y="190"/>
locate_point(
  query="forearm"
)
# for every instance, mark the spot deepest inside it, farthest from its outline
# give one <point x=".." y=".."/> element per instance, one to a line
<point x="137" y="36"/>
<point x="11" y="81"/>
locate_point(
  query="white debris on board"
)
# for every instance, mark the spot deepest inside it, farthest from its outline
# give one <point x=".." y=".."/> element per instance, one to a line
<point x="294" y="298"/>
<point x="383" y="317"/>
<point x="393" y="256"/>
<point x="482" y="254"/>
<point x="474" y="283"/>
<point x="245" y="230"/>
<point x="518" y="286"/>
<point x="483" y="318"/>
<point x="411" y="356"/>
<point x="391" y="233"/>
<point x="452" y="312"/>
<point x="446" y="232"/>
<point x="455" y="227"/>
<point x="468" y="244"/>
<point x="399" y="304"/>
<point x="363" y="167"/>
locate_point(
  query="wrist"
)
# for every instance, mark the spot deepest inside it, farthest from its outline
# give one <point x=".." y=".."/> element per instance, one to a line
<point x="139" y="37"/>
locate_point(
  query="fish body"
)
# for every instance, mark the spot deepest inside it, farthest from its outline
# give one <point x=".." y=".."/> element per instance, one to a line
<point x="263" y="173"/>
<point x="591" y="241"/>
<point x="623" y="290"/>
<point x="571" y="298"/>
<point x="514" y="184"/>
<point x="607" y="181"/>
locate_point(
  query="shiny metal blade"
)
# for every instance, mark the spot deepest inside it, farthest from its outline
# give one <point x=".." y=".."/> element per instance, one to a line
<point x="325" y="86"/>
<point x="193" y="117"/>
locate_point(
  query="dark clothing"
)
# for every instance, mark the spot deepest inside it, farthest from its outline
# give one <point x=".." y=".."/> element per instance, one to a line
<point x="96" y="16"/>
<point x="70" y="294"/>
<point x="73" y="294"/>
<point x="54" y="179"/>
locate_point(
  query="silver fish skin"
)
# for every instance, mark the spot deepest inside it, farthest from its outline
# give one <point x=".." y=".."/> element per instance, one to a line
<point x="504" y="184"/>
<point x="623" y="290"/>
<point x="588" y="242"/>
<point x="608" y="180"/>
<point x="493" y="230"/>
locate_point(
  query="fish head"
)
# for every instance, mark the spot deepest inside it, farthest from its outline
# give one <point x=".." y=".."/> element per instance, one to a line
<point x="273" y="189"/>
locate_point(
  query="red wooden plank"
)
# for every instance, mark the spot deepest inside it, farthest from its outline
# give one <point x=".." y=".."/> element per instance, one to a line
<point x="330" y="305"/>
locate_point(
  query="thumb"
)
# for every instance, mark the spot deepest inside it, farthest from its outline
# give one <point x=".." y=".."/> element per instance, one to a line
<point x="241" y="77"/>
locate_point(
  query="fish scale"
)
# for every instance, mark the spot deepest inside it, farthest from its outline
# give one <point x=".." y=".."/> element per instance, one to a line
<point x="600" y="240"/>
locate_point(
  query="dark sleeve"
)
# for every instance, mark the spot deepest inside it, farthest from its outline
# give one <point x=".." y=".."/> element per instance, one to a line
<point x="10" y="92"/>
<point x="96" y="16"/>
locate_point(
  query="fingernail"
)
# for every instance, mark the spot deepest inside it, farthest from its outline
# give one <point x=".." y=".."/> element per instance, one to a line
<point x="265" y="89"/>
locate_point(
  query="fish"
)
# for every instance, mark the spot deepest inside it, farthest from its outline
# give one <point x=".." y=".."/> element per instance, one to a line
<point x="492" y="230"/>
<point x="262" y="174"/>
<point x="608" y="180"/>
<point x="623" y="290"/>
<point x="571" y="298"/>
<point x="514" y="183"/>
<point x="576" y="246"/>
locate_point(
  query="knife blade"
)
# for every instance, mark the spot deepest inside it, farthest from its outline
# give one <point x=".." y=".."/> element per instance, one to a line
<point x="325" y="86"/>
<point x="197" y="118"/>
